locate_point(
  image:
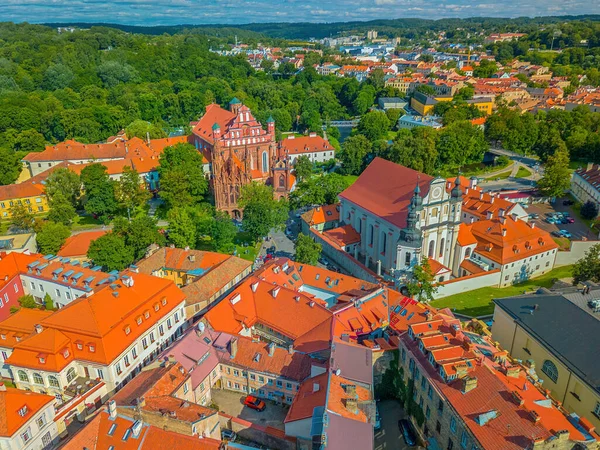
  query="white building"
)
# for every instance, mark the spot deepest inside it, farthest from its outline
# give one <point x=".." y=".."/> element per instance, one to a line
<point x="317" y="149"/>
<point x="585" y="184"/>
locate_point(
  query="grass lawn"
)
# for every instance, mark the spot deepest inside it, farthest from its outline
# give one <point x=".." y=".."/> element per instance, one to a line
<point x="84" y="222"/>
<point x="502" y="176"/>
<point x="244" y="247"/>
<point x="479" y="302"/>
<point x="523" y="172"/>
<point x="350" y="179"/>
<point x="564" y="243"/>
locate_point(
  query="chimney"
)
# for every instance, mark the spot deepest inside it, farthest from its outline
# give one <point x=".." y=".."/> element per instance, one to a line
<point x="503" y="229"/>
<point x="489" y="215"/>
<point x="233" y="346"/>
<point x="275" y="291"/>
<point x="192" y="258"/>
<point x="589" y="167"/>
<point x="112" y="409"/>
<point x="468" y="384"/>
<point x="38" y="328"/>
<point x="271" y="348"/>
<point x="518" y="399"/>
<point x="492" y="196"/>
<point x="254" y="286"/>
<point x="513" y="372"/>
<point x="291" y="349"/>
<point x="514" y="216"/>
<point x="534" y="416"/>
<point x="148" y="137"/>
<point x="481" y="195"/>
<point x="350" y="390"/>
<point x="532" y="224"/>
<point x="136" y="428"/>
<point x="2" y="387"/>
<point x="473" y="182"/>
<point x="352" y="405"/>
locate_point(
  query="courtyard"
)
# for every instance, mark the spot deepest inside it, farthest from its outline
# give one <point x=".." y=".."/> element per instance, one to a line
<point x="232" y="403"/>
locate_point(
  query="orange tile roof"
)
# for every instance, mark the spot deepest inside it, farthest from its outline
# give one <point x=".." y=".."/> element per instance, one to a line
<point x="372" y="315"/>
<point x="337" y="397"/>
<point x="26" y="189"/>
<point x="304" y="144"/>
<point x="322" y="214"/>
<point x="214" y="114"/>
<point x="13" y="400"/>
<point x="437" y="267"/>
<point x="78" y="244"/>
<point x="20" y="325"/>
<point x="312" y="393"/>
<point x="344" y="235"/>
<point x="100" y="320"/>
<point x="94" y="436"/>
<point x="471" y="267"/>
<point x="505" y="240"/>
<point x="478" y="203"/>
<point x="465" y="236"/>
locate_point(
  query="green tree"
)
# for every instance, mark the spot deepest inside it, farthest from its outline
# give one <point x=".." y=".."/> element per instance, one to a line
<point x="223" y="232"/>
<point x="465" y="93"/>
<point x="425" y="89"/>
<point x="65" y="183"/>
<point x="20" y="217"/>
<point x="460" y="143"/>
<point x="57" y="76"/>
<point x="27" y="301"/>
<point x="61" y="210"/>
<point x="181" y="173"/>
<point x="139" y="233"/>
<point x="374" y="125"/>
<point x="354" y="151"/>
<point x="557" y="177"/>
<point x="111" y="252"/>
<point x="182" y="230"/>
<point x="48" y="303"/>
<point x="307" y="250"/>
<point x="589" y="210"/>
<point x="261" y="211"/>
<point x="416" y="148"/>
<point x="303" y="167"/>
<point x="130" y="192"/>
<point x="99" y="192"/>
<point x="51" y="237"/>
<point x="393" y="114"/>
<point x="29" y="141"/>
<point x="588" y="267"/>
<point x="422" y="285"/>
<point x="10" y="166"/>
<point x="143" y="129"/>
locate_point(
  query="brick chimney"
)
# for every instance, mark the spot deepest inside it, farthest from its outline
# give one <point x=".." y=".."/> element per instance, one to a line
<point x="271" y="348"/>
<point x="513" y="371"/>
<point x="352" y="405"/>
<point x="112" y="409"/>
<point x="350" y="390"/>
<point x="2" y="387"/>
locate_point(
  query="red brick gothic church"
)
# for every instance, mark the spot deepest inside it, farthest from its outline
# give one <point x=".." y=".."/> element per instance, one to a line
<point x="239" y="151"/>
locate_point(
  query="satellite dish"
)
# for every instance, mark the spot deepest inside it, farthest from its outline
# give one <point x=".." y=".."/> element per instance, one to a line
<point x="201" y="327"/>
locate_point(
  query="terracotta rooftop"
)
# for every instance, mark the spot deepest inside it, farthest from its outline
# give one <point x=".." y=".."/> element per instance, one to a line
<point x="304" y="144"/>
<point x="77" y="245"/>
<point x="343" y="236"/>
<point x="322" y="214"/>
<point x="18" y="407"/>
<point x="385" y="189"/>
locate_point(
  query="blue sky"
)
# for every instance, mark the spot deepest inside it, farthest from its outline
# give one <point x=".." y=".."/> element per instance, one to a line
<point x="171" y="12"/>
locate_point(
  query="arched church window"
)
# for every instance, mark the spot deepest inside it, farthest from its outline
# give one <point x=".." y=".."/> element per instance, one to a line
<point x="431" y="251"/>
<point x="281" y="181"/>
<point x="265" y="162"/>
<point x="442" y="245"/>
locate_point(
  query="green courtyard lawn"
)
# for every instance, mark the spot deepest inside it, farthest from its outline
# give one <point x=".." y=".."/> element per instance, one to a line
<point x="85" y="222"/>
<point x="244" y="247"/>
<point x="502" y="176"/>
<point x="350" y="179"/>
<point x="479" y="302"/>
<point x="523" y="172"/>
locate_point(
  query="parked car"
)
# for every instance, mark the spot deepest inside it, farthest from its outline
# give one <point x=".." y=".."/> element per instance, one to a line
<point x="551" y="220"/>
<point x="254" y="403"/>
<point x="377" y="419"/>
<point x="228" y="435"/>
<point x="557" y="234"/>
<point x="566" y="234"/>
<point x="568" y="202"/>
<point x="570" y="220"/>
<point x="533" y="216"/>
<point x="407" y="431"/>
<point x="271" y="250"/>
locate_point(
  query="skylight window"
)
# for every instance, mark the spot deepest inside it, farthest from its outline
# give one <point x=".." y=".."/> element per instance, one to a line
<point x="112" y="429"/>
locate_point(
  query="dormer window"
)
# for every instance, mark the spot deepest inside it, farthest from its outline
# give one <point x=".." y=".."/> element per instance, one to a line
<point x="127" y="329"/>
<point x="92" y="348"/>
<point x="23" y="411"/>
<point x="3" y="336"/>
<point x="164" y="301"/>
<point x="139" y="320"/>
<point x="147" y="314"/>
<point x="66" y="353"/>
<point x="42" y="360"/>
<point x="79" y="346"/>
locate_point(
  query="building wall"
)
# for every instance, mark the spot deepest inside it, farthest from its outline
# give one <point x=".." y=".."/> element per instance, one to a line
<point x="320" y="157"/>
<point x="61" y="293"/>
<point x="485" y="279"/>
<point x="584" y="191"/>
<point x="299" y="428"/>
<point x="39" y="436"/>
<point x="9" y="296"/>
<point x="574" y="254"/>
<point x="524" y="346"/>
<point x="35" y="205"/>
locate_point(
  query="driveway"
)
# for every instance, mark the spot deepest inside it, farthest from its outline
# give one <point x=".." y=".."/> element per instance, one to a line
<point x="388" y="437"/>
<point x="232" y="403"/>
<point x="578" y="229"/>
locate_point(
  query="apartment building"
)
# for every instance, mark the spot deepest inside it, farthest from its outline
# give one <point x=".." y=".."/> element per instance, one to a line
<point x="108" y="336"/>
<point x="27" y="420"/>
<point x="555" y="333"/>
<point x="473" y="396"/>
<point x="29" y="194"/>
<point x="313" y="146"/>
<point x="585" y="184"/>
<point x="204" y="277"/>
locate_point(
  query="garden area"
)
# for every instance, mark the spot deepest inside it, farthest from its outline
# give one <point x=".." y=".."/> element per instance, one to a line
<point x="479" y="301"/>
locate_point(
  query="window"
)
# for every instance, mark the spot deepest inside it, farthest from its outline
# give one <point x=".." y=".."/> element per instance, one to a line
<point x="92" y="348"/>
<point x="68" y="296"/>
<point x="23" y="376"/>
<point x="236" y="373"/>
<point x="53" y="381"/>
<point x="144" y="343"/>
<point x="428" y="412"/>
<point x="139" y="320"/>
<point x="134" y="352"/>
<point x="453" y="424"/>
<point x="288" y="386"/>
<point x="270" y="381"/>
<point x="161" y="330"/>
<point x="26" y="435"/>
<point x="100" y="374"/>
<point x="16" y="287"/>
<point x="597" y="409"/>
<point x="152" y="337"/>
<point x="164" y="301"/>
<point x="41" y="288"/>
<point x="37" y="378"/>
<point x="41" y="421"/>
<point x="261" y="379"/>
<point x="438" y="426"/>
<point x="47" y="440"/>
<point x="32" y="285"/>
<point x="126" y="360"/>
<point x="147" y="314"/>
<point x="169" y="324"/>
<point x="185" y="388"/>
<point x="279" y="383"/>
<point x="549" y="368"/>
<point x="118" y="369"/>
<point x="127" y="329"/>
<point x="252" y="376"/>
<point x="71" y="374"/>
<point x="464" y="439"/>
<point x="237" y="385"/>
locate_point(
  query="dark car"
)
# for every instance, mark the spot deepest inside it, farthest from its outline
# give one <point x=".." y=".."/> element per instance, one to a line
<point x="408" y="433"/>
<point x="557" y="234"/>
<point x="255" y="403"/>
<point x="271" y="250"/>
<point x="568" y="202"/>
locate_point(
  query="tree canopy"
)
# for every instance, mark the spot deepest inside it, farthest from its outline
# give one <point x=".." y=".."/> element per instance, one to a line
<point x="111" y="252"/>
<point x="261" y="211"/>
<point x="182" y="180"/>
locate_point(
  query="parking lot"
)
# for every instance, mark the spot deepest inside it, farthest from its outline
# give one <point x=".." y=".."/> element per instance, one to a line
<point x="388" y="437"/>
<point x="232" y="403"/>
<point x="578" y="229"/>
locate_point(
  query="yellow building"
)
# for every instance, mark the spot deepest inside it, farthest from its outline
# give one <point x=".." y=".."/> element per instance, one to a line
<point x="557" y="335"/>
<point x="29" y="194"/>
<point x="484" y="105"/>
<point x="424" y="104"/>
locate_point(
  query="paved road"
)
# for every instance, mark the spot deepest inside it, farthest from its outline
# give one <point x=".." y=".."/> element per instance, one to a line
<point x="389" y="437"/>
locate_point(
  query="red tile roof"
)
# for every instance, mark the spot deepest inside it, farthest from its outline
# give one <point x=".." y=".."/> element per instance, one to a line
<point x="322" y="214"/>
<point x="344" y="235"/>
<point x="312" y="393"/>
<point x="385" y="189"/>
<point x="304" y="144"/>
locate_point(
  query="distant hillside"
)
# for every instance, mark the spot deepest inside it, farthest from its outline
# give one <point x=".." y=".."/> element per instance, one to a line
<point x="305" y="30"/>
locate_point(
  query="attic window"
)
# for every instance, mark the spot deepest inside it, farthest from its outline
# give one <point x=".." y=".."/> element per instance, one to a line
<point x="139" y="320"/>
<point x="79" y="346"/>
<point x="127" y="329"/>
<point x="156" y="307"/>
<point x="147" y="314"/>
<point x="164" y="301"/>
<point x="3" y="336"/>
<point x="66" y="353"/>
<point x="23" y="411"/>
<point x="42" y="360"/>
<point x="92" y="348"/>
